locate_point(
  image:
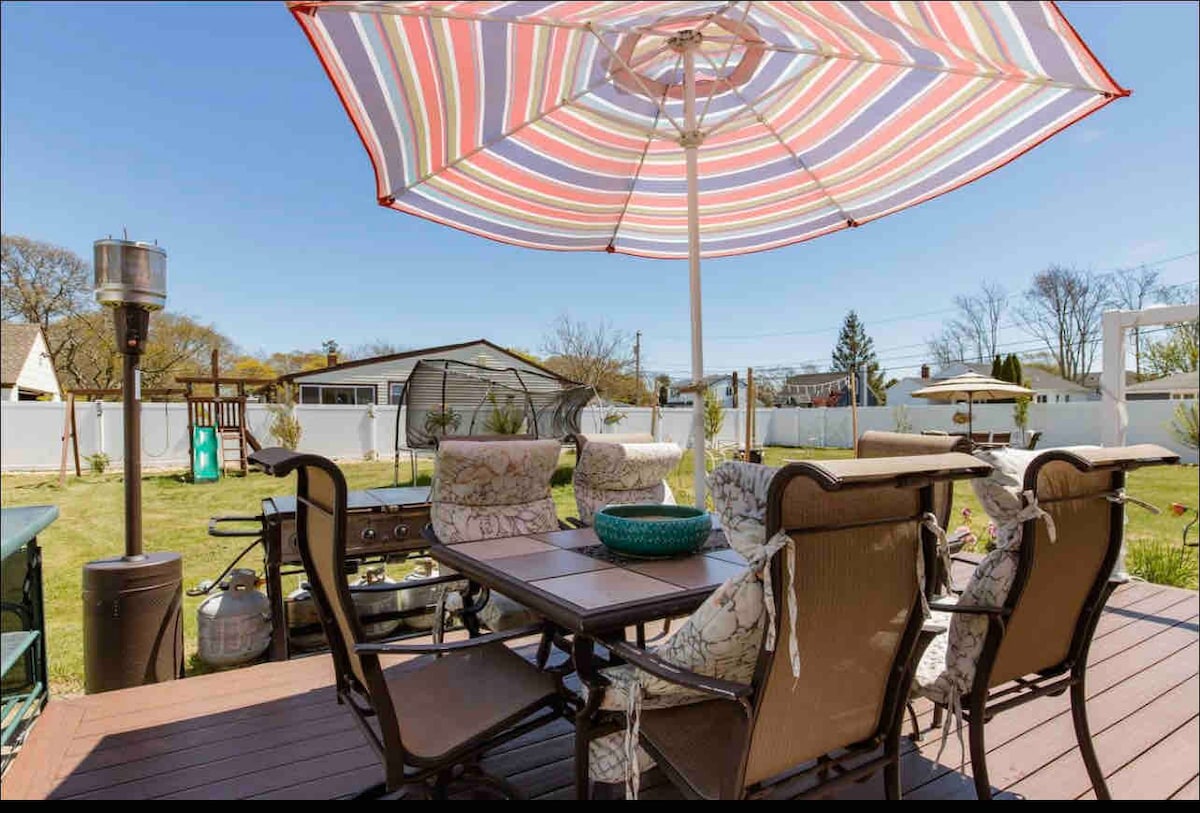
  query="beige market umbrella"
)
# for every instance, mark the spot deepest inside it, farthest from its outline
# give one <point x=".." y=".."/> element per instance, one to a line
<point x="972" y="387"/>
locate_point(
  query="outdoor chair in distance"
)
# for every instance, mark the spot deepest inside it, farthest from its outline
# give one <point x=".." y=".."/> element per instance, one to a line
<point x="857" y="531"/>
<point x="431" y="720"/>
<point x="1021" y="628"/>
<point x="896" y="444"/>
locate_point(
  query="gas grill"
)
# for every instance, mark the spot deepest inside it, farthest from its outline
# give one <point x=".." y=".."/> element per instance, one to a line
<point x="382" y="525"/>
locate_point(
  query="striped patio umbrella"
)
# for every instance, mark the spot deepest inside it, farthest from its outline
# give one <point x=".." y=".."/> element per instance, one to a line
<point x="690" y="130"/>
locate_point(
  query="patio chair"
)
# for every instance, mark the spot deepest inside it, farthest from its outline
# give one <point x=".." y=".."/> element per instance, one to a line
<point x="431" y="721"/>
<point x="1022" y="626"/>
<point x="843" y="630"/>
<point x="894" y="444"/>
<point x="488" y="489"/>
<point x="1031" y="441"/>
<point x="981" y="437"/>
<point x="621" y="469"/>
<point x="1004" y="438"/>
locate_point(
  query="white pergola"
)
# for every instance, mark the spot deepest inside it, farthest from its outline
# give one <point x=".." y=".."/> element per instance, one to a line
<point x="1115" y="325"/>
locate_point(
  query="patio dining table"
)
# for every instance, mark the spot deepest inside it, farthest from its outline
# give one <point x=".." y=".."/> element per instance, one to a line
<point x="570" y="579"/>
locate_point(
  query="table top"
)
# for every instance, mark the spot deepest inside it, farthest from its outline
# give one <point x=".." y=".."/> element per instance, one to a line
<point x="19" y="525"/>
<point x="586" y="594"/>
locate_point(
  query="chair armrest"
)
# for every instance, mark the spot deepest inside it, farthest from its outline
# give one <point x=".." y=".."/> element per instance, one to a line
<point x="976" y="609"/>
<point x="932" y="629"/>
<point x="397" y="648"/>
<point x="726" y="689"/>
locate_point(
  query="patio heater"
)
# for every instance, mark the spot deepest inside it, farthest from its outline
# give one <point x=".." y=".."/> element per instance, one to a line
<point x="132" y="625"/>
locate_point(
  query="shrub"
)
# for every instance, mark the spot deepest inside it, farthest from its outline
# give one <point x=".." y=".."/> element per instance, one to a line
<point x="900" y="419"/>
<point x="285" y="426"/>
<point x="714" y="415"/>
<point x="1162" y="562"/>
<point x="506" y="418"/>
<point x="1185" y="426"/>
<point x="98" y="462"/>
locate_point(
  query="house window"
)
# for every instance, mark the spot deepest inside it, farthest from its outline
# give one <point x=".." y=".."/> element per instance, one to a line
<point x="395" y="392"/>
<point x="336" y="394"/>
<point x="1041" y="399"/>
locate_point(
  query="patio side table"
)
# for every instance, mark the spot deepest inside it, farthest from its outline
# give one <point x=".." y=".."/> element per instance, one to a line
<point x="23" y="627"/>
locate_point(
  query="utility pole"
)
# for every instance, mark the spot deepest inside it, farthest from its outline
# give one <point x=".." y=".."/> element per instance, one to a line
<point x="637" y="362"/>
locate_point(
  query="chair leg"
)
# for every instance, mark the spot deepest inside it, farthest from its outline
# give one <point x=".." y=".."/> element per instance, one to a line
<point x="544" y="646"/>
<point x="912" y="717"/>
<point x="938" y="711"/>
<point x="1086" y="747"/>
<point x="891" y="780"/>
<point x="582" y="750"/>
<point x="983" y="788"/>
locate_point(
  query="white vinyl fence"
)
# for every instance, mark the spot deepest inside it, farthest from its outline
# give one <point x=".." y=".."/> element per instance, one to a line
<point x="31" y="432"/>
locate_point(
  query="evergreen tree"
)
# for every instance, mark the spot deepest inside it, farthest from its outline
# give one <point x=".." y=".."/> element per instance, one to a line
<point x="855" y="351"/>
<point x="998" y="368"/>
<point x="1018" y="375"/>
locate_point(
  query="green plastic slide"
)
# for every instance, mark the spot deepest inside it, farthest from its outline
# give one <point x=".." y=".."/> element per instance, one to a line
<point x="206" y="458"/>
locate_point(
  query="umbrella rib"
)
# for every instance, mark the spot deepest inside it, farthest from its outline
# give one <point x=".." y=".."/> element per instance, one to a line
<point x="799" y="161"/>
<point x="638" y="77"/>
<point x="1040" y="81"/>
<point x="637" y="174"/>
<point x="509" y="133"/>
<point x="725" y="62"/>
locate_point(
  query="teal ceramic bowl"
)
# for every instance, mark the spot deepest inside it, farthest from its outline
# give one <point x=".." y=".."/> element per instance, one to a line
<point x="652" y="531"/>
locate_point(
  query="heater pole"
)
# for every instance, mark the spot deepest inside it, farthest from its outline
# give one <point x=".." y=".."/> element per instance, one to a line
<point x="132" y="409"/>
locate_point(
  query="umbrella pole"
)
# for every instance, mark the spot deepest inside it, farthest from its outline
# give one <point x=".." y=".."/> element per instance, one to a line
<point x="690" y="141"/>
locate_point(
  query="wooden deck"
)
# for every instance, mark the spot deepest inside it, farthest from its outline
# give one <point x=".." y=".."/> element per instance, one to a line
<point x="274" y="731"/>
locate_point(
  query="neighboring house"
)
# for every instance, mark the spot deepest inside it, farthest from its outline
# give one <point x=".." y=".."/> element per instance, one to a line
<point x="1091" y="382"/>
<point x="720" y="386"/>
<point x="819" y="390"/>
<point x="1047" y="387"/>
<point x="26" y="370"/>
<point x="381" y="380"/>
<point x="1177" y="387"/>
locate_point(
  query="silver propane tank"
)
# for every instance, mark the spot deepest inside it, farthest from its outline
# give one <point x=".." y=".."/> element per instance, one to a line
<point x="234" y="622"/>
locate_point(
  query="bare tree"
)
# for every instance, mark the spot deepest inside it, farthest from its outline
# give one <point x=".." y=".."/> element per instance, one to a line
<point x="1134" y="289"/>
<point x="373" y="349"/>
<point x="595" y="355"/>
<point x="949" y="346"/>
<point x="1062" y="309"/>
<point x="979" y="319"/>
<point x="42" y="283"/>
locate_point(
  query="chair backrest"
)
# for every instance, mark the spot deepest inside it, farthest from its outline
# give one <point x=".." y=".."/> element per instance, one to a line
<point x="1034" y="437"/>
<point x="493" y="488"/>
<point x="981" y="437"/>
<point x="896" y="444"/>
<point x="1002" y="437"/>
<point x="857" y="534"/>
<point x="321" y="496"/>
<point x="1058" y="585"/>
<point x="621" y="469"/>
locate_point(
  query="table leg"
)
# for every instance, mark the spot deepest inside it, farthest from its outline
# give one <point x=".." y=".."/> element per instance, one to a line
<point x="585" y="668"/>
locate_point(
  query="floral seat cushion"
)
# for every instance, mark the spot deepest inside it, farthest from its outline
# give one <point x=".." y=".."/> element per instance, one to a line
<point x="623" y="473"/>
<point x="947" y="668"/>
<point x="722" y="638"/>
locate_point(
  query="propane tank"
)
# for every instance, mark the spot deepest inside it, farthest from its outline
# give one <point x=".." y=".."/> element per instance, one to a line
<point x="416" y="598"/>
<point x="301" y="611"/>
<point x="234" y="623"/>
<point x="375" y="603"/>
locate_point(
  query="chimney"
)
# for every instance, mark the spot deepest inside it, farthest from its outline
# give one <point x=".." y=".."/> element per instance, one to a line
<point x="331" y="359"/>
<point x="924" y="372"/>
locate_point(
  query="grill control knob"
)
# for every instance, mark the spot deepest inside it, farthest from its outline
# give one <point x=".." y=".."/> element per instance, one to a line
<point x="368" y="534"/>
<point x="400" y="531"/>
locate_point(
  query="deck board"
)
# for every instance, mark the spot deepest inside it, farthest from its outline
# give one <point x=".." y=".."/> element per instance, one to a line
<point x="273" y="731"/>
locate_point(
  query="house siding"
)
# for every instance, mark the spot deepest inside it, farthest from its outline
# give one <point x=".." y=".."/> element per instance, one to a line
<point x="383" y="373"/>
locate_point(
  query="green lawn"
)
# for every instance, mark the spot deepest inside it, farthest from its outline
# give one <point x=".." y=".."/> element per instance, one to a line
<point x="177" y="512"/>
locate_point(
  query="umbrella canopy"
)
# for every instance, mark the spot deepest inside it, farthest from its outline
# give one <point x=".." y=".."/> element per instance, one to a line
<point x="688" y="130"/>
<point x="972" y="387"/>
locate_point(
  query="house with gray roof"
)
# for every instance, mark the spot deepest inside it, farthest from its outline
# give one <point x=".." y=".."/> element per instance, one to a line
<point x="26" y="369"/>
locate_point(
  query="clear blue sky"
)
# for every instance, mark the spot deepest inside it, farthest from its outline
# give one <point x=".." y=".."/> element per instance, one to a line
<point x="213" y="129"/>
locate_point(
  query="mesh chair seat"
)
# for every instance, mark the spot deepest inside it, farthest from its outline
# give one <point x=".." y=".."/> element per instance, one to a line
<point x="454" y="699"/>
<point x="701" y="742"/>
